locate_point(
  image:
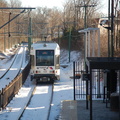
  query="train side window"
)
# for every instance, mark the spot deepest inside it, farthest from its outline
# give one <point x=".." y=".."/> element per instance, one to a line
<point x="32" y="61"/>
<point x="57" y="66"/>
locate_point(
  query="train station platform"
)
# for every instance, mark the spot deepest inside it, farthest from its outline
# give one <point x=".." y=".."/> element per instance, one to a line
<point x="76" y="110"/>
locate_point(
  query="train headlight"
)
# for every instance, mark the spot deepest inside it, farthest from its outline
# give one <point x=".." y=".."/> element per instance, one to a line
<point x="48" y="79"/>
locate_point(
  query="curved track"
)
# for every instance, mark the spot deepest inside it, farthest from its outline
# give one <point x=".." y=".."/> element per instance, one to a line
<point x="8" y="64"/>
<point x="13" y="70"/>
<point x="39" y="104"/>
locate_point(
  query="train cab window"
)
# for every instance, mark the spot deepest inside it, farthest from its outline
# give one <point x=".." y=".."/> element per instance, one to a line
<point x="44" y="57"/>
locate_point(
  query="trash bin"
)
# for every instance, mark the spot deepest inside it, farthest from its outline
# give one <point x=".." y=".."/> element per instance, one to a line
<point x="114" y="101"/>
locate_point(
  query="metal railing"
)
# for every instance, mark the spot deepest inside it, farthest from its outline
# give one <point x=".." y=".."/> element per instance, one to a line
<point x="82" y="85"/>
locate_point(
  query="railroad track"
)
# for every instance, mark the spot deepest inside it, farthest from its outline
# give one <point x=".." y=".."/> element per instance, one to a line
<point x="41" y="93"/>
<point x="13" y="69"/>
<point x="39" y="104"/>
<point x="9" y="63"/>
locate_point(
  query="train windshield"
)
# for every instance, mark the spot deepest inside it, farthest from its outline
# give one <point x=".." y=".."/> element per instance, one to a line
<point x="44" y="57"/>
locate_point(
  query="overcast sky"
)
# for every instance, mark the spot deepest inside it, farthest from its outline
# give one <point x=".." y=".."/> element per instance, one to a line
<point x="56" y="3"/>
<point x="43" y="3"/>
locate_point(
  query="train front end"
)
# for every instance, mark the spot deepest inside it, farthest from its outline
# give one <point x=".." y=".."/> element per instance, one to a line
<point x="45" y="62"/>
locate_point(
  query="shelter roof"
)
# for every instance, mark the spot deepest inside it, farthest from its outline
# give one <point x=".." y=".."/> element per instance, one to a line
<point x="103" y="62"/>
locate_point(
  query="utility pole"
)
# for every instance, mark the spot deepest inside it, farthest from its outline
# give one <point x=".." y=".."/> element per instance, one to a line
<point x="109" y="29"/>
<point x="58" y="34"/>
<point x="85" y="20"/>
<point x="85" y="26"/>
<point x="112" y="29"/>
<point x="85" y="8"/>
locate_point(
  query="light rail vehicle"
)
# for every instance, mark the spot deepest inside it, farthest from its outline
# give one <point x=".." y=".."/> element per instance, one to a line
<point x="45" y="61"/>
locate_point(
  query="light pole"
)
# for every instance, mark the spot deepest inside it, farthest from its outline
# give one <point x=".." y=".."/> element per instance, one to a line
<point x="69" y="39"/>
<point x="4" y="40"/>
<point x="9" y="42"/>
<point x="29" y="34"/>
<point x="69" y="43"/>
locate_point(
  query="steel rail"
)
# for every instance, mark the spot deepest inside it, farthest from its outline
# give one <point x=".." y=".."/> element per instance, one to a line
<point x="27" y="103"/>
<point x="13" y="63"/>
<point x="30" y="99"/>
<point x="4" y="73"/>
<point x="48" y="115"/>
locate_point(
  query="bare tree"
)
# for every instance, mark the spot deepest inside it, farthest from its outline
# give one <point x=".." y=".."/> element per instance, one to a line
<point x="74" y="11"/>
<point x="3" y="31"/>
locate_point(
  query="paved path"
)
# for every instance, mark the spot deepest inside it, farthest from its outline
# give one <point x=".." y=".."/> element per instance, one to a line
<point x="76" y="110"/>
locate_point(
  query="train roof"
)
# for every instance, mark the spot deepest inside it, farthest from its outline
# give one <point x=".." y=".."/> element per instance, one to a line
<point x="45" y="42"/>
<point x="45" y="45"/>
